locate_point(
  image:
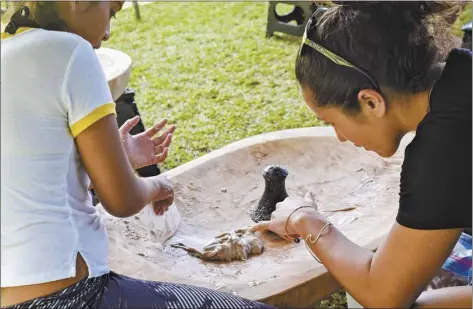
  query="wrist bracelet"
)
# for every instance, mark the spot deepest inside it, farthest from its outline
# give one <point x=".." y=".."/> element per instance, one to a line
<point x="309" y="239"/>
<point x="297" y="240"/>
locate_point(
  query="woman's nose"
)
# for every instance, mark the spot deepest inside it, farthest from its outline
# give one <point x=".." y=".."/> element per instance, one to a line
<point x="107" y="33"/>
<point x="340" y="137"/>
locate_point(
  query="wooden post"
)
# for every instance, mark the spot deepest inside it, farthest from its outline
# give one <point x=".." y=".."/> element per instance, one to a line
<point x="137" y="10"/>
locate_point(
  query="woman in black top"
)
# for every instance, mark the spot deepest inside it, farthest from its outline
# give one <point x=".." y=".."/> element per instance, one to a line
<point x="376" y="71"/>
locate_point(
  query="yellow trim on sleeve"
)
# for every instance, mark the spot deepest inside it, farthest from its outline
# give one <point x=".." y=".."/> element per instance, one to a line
<point x="6" y="35"/>
<point x="92" y="117"/>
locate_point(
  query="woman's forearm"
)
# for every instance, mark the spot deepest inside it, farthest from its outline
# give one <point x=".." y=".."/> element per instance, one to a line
<point x="347" y="262"/>
<point x="392" y="277"/>
<point x="452" y="297"/>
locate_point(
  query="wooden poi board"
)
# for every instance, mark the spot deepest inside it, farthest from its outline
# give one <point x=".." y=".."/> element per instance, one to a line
<point x="214" y="194"/>
<point x="117" y="67"/>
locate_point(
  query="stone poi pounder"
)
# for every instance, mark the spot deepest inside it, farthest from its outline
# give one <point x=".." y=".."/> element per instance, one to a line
<point x="274" y="192"/>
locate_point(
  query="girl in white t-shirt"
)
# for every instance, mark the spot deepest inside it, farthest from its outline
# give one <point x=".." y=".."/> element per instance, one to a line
<point x="58" y="135"/>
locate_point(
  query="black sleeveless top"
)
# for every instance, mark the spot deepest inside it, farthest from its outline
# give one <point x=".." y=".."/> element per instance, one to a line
<point x="436" y="177"/>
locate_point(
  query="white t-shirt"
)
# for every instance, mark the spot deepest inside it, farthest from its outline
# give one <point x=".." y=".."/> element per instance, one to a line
<point x="53" y="87"/>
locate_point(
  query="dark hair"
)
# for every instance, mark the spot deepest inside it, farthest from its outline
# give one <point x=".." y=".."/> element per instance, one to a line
<point x="43" y="13"/>
<point x="396" y="43"/>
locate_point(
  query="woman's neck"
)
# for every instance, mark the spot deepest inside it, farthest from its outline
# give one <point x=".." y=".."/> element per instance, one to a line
<point x="412" y="109"/>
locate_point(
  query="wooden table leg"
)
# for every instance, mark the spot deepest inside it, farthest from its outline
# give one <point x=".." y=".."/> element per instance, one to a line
<point x="137" y="10"/>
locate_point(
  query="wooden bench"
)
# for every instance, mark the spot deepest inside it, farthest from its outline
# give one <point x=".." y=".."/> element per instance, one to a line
<point x="291" y="23"/>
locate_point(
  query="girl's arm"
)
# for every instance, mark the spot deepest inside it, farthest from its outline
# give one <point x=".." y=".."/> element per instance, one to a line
<point x="121" y="192"/>
<point x="88" y="105"/>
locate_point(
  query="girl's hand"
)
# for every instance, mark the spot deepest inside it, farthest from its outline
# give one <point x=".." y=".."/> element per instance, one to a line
<point x="164" y="197"/>
<point x="144" y="149"/>
<point x="285" y="213"/>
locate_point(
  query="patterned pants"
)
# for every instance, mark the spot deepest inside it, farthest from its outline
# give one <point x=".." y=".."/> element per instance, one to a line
<point x="118" y="291"/>
<point x="456" y="271"/>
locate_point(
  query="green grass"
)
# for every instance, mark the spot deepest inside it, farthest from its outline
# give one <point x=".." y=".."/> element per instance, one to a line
<point x="465" y="17"/>
<point x="209" y="69"/>
<point x="336" y="300"/>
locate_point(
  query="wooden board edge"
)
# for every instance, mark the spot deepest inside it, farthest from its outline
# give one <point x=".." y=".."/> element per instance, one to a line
<point x="249" y="142"/>
<point x="313" y="286"/>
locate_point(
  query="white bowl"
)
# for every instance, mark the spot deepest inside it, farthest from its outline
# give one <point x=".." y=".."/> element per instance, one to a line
<point x="117" y="68"/>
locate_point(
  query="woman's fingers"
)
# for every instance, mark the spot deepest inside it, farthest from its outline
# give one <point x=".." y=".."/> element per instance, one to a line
<point x="158" y="211"/>
<point x="286" y="237"/>
<point x="165" y="191"/>
<point x="310" y="197"/>
<point x="156" y="128"/>
<point x="161" y="157"/>
<point x="160" y="139"/>
<point x="260" y="226"/>
<point x="160" y="207"/>
<point x="167" y="141"/>
<point x="266" y="226"/>
<point x="129" y="124"/>
<point x="162" y="151"/>
<point x="158" y="149"/>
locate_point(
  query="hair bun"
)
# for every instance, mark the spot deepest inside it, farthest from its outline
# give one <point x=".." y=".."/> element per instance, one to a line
<point x="418" y="10"/>
<point x="357" y="5"/>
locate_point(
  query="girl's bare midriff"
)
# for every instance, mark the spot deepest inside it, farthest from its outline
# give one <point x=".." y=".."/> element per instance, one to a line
<point x="16" y="295"/>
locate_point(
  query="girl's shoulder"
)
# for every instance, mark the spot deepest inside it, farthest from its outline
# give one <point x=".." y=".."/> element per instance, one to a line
<point x="43" y="45"/>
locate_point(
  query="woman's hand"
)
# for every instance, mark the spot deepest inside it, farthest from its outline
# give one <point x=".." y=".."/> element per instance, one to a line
<point x="165" y="196"/>
<point x="285" y="213"/>
<point x="144" y="149"/>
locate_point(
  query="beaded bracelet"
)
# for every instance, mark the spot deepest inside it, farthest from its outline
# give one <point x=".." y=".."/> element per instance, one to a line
<point x="309" y="238"/>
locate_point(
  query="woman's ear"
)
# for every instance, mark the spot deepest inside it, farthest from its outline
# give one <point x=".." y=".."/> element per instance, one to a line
<point x="372" y="103"/>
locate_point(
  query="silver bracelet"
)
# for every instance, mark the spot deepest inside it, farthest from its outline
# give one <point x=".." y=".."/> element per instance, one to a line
<point x="309" y="239"/>
<point x="296" y="240"/>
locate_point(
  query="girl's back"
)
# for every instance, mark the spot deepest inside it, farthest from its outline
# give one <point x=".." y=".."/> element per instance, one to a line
<point x="46" y="102"/>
